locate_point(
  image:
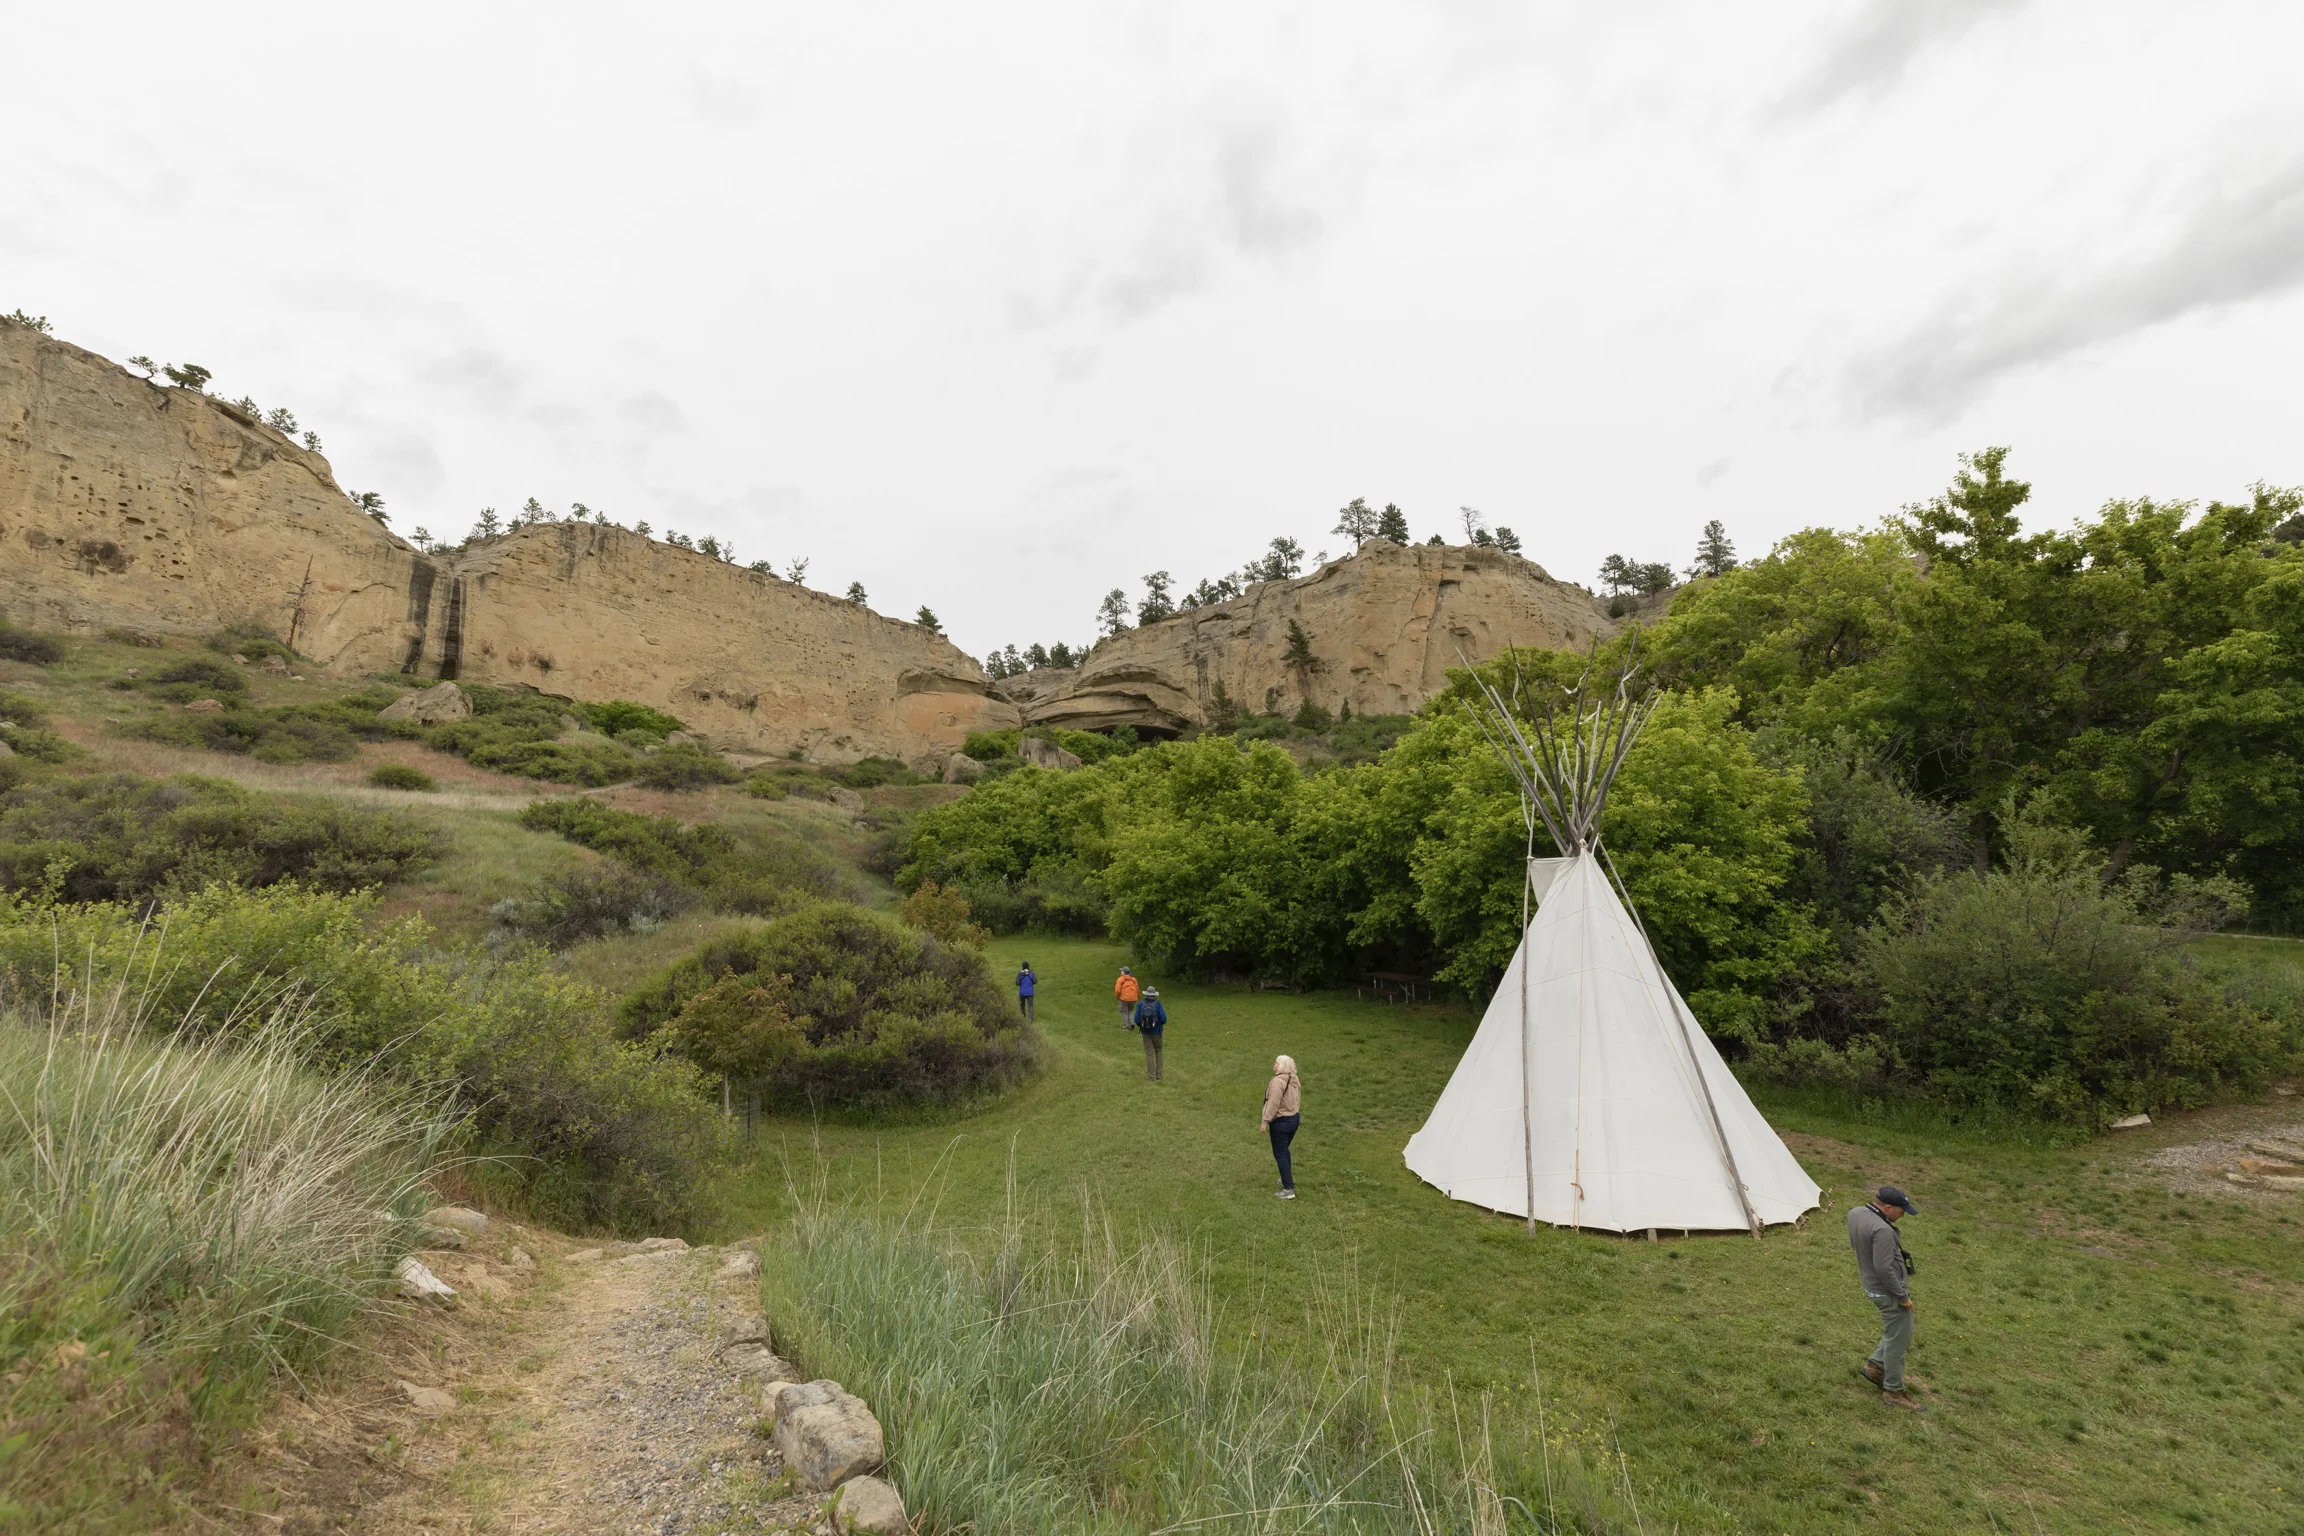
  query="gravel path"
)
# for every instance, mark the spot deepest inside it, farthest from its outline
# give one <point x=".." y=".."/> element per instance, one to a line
<point x="611" y="1408"/>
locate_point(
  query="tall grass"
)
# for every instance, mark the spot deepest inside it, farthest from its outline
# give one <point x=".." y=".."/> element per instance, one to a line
<point x="1088" y="1385"/>
<point x="179" y="1219"/>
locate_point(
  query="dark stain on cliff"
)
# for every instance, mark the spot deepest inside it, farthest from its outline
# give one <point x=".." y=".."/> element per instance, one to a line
<point x="420" y="578"/>
<point x="452" y="630"/>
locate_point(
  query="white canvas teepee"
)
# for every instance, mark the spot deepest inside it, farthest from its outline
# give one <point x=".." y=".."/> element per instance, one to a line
<point x="1590" y="1097"/>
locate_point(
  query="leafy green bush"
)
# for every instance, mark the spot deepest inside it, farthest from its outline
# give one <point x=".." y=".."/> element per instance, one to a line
<point x="253" y="641"/>
<point x="23" y="728"/>
<point x="835" y="1005"/>
<point x="618" y="716"/>
<point x="511" y="731"/>
<point x="2046" y="987"/>
<point x="765" y="786"/>
<point x="401" y="776"/>
<point x="28" y="645"/>
<point x="329" y="731"/>
<point x="591" y="903"/>
<point x="685" y="766"/>
<point x="873" y="773"/>
<point x="756" y="873"/>
<point x="197" y="677"/>
<point x="593" y="1133"/>
<point x="1054" y="898"/>
<point x="120" y="837"/>
<point x="177" y="1220"/>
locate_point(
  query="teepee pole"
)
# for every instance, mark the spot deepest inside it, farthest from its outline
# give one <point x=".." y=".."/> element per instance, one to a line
<point x="1527" y="1071"/>
<point x="1679" y="1017"/>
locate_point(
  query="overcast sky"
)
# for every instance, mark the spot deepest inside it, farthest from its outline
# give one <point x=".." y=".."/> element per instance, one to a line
<point x="994" y="307"/>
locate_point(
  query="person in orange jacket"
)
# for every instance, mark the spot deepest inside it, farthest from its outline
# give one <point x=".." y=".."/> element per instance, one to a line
<point x="1127" y="990"/>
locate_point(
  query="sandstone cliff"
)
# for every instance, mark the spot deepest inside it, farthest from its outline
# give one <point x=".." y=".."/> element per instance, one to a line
<point x="124" y="503"/>
<point x="1385" y="624"/>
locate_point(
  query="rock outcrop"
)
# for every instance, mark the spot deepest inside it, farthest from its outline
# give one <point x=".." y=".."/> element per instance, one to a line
<point x="125" y="504"/>
<point x="1385" y="625"/>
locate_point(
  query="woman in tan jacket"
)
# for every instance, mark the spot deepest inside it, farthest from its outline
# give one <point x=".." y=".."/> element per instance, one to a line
<point x="1283" y="1112"/>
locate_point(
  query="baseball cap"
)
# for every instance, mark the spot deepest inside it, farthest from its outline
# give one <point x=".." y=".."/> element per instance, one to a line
<point x="1891" y="1195"/>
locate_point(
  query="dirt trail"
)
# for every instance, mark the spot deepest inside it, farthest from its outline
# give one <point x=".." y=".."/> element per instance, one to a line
<point x="595" y="1398"/>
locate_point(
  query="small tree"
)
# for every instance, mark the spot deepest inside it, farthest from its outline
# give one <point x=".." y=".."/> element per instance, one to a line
<point x="797" y="573"/>
<point x="1036" y="655"/>
<point x="1112" y="613"/>
<point x="1157" y="604"/>
<point x="1436" y="539"/>
<point x="1060" y="655"/>
<point x="144" y="365"/>
<point x="372" y="503"/>
<point x="1392" y="523"/>
<point x="422" y="539"/>
<point x="534" y="511"/>
<point x="642" y="529"/>
<point x="932" y="909"/>
<point x="1715" y="556"/>
<point x="1507" y="540"/>
<point x="1474" y="524"/>
<point x="927" y="620"/>
<point x="247" y="407"/>
<point x="856" y="593"/>
<point x="1358" y="521"/>
<point x="489" y="525"/>
<point x="312" y="442"/>
<point x="1299" y="653"/>
<point x="190" y="376"/>
<point x="38" y="323"/>
<point x="761" y="568"/>
<point x="282" y="419"/>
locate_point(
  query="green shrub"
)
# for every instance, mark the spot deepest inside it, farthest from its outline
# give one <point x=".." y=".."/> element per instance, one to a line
<point x="253" y="641"/>
<point x="835" y="1005"/>
<point x="178" y="1219"/>
<point x="593" y="1133"/>
<point x="1054" y="898"/>
<point x="513" y="731"/>
<point x="197" y="677"/>
<point x="685" y="766"/>
<point x="120" y="837"/>
<point x="756" y="873"/>
<point x="991" y="746"/>
<point x="591" y="903"/>
<point x="873" y="773"/>
<point x="401" y="776"/>
<point x="2044" y="987"/>
<point x="28" y="645"/>
<point x="21" y="709"/>
<point x="765" y="786"/>
<point x="618" y="716"/>
<point x="329" y="731"/>
<point x="22" y="723"/>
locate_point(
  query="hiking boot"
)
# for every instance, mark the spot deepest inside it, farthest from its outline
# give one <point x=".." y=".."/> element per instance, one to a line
<point x="1284" y="1194"/>
<point x="1873" y="1373"/>
<point x="1901" y="1400"/>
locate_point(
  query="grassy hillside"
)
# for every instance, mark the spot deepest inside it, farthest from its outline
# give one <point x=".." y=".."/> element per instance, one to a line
<point x="2099" y="1353"/>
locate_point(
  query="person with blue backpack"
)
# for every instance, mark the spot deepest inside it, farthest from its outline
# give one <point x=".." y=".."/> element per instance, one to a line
<point x="1150" y="1021"/>
<point x="1026" y="985"/>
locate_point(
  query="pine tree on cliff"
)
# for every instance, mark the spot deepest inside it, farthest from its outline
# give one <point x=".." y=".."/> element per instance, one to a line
<point x="1299" y="653"/>
<point x="927" y="620"/>
<point x="1112" y="613"/>
<point x="1357" y="521"/>
<point x="1392" y="523"/>
<point x="1715" y="556"/>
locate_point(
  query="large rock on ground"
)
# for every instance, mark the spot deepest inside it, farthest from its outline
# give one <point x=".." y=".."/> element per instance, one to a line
<point x="1386" y="624"/>
<point x="1045" y="754"/>
<point x="436" y="705"/>
<point x="870" y="1505"/>
<point x="826" y="1435"/>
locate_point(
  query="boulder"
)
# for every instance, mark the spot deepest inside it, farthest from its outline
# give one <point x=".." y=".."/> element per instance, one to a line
<point x="518" y="1258"/>
<point x="744" y="1330"/>
<point x="420" y="1284"/>
<point x="461" y="1218"/>
<point x="436" y="705"/>
<point x="847" y="799"/>
<point x="826" y="1442"/>
<point x="430" y="1402"/>
<point x="756" y="1360"/>
<point x="739" y="1266"/>
<point x="868" y="1504"/>
<point x="1045" y="754"/>
<point x="6" y="750"/>
<point x="276" y="665"/>
<point x="960" y="768"/>
<point x="205" y="707"/>
<point x="662" y="1245"/>
<point x="2132" y="1122"/>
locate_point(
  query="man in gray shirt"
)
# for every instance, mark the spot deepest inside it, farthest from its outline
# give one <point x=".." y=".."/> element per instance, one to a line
<point x="1881" y="1266"/>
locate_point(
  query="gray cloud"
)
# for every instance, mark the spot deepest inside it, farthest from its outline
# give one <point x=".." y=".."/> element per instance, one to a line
<point x="486" y="376"/>
<point x="2231" y="249"/>
<point x="1869" y="55"/>
<point x="653" y="411"/>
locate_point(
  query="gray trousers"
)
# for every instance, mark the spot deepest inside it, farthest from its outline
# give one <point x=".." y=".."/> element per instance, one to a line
<point x="1895" y="1339"/>
<point x="1127" y="1014"/>
<point x="1152" y="1055"/>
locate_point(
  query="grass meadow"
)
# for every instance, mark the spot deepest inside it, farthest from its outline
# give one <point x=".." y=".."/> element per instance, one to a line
<point x="2098" y="1353"/>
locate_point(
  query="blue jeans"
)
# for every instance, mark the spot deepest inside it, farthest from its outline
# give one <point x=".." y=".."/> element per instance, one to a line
<point x="1283" y="1132"/>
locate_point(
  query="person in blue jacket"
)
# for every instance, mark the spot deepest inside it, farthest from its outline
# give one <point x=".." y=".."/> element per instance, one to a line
<point x="1026" y="985"/>
<point x="1150" y="1020"/>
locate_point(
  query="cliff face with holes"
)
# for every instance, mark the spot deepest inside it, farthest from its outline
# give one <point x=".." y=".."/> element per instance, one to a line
<point x="1385" y="626"/>
<point x="126" y="504"/>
